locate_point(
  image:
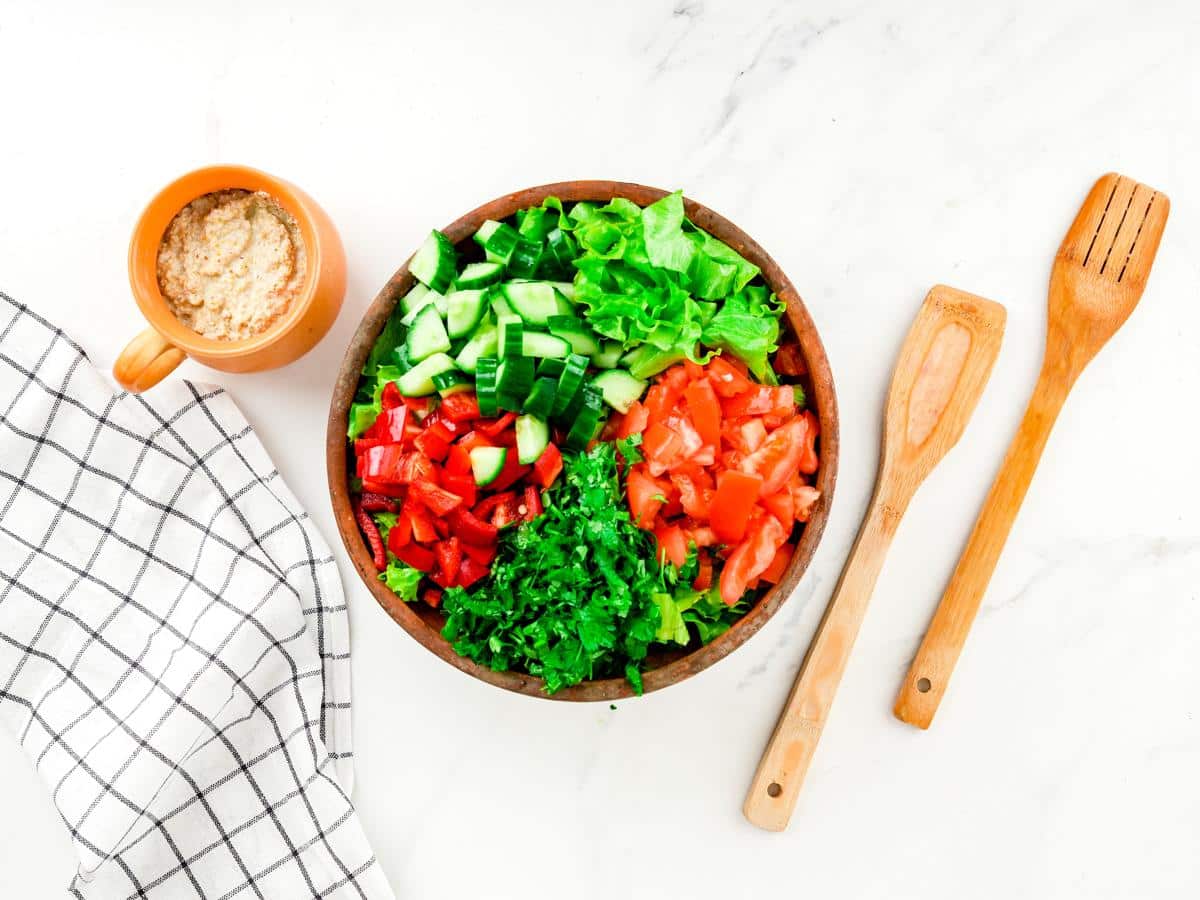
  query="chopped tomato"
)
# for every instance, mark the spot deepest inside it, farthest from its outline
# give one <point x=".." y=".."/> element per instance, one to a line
<point x="704" y="574"/>
<point x="660" y="400"/>
<point x="672" y="545"/>
<point x="693" y="370"/>
<point x="416" y="556"/>
<point x="779" y="564"/>
<point x="781" y="505"/>
<point x="492" y="427"/>
<point x="662" y="448"/>
<point x="727" y="379"/>
<point x="532" y="502"/>
<point x="548" y="466"/>
<point x="751" y="558"/>
<point x="694" y="499"/>
<point x="471" y="529"/>
<point x="634" y="421"/>
<point x="808" y="460"/>
<point x="462" y="484"/>
<point x="736" y="497"/>
<point x="449" y="557"/>
<point x="790" y="361"/>
<point x="704" y="410"/>
<point x="756" y="401"/>
<point x="433" y="596"/>
<point x="645" y="496"/>
<point x="471" y="571"/>
<point x="703" y="536"/>
<point x="437" y="500"/>
<point x="779" y="456"/>
<point x="461" y="407"/>
<point x="391" y="397"/>
<point x="805" y="498"/>
<point x="482" y="555"/>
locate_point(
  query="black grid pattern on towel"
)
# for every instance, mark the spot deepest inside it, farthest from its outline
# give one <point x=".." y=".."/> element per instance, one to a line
<point x="174" y="648"/>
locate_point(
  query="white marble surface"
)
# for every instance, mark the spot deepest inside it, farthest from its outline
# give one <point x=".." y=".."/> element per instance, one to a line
<point x="874" y="149"/>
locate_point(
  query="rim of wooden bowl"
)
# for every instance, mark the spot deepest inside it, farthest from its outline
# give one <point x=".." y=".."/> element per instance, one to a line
<point x="668" y="667"/>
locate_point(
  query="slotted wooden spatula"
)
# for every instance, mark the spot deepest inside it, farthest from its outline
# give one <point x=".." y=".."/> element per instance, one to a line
<point x="1098" y="277"/>
<point x="943" y="366"/>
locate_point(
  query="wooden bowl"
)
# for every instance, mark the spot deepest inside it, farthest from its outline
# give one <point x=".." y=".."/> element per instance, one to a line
<point x="663" y="667"/>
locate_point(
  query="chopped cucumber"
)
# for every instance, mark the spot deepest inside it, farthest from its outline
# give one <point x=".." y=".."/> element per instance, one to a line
<point x="525" y="257"/>
<point x="569" y="382"/>
<point x="619" y="388"/>
<point x="480" y="275"/>
<point x="435" y="262"/>
<point x="464" y="311"/>
<point x="541" y="399"/>
<point x="426" y="298"/>
<point x="511" y="336"/>
<point x="498" y="241"/>
<point x="550" y="368"/>
<point x="566" y="288"/>
<point x="452" y="382"/>
<point x="559" y="254"/>
<point x="418" y="381"/>
<point x="574" y="332"/>
<point x="487" y="463"/>
<point x="514" y="378"/>
<point x="609" y="355"/>
<point x="535" y="343"/>
<point x="587" y="420"/>
<point x="427" y="335"/>
<point x="484" y="342"/>
<point x="535" y="301"/>
<point x="533" y="434"/>
<point x="485" y="385"/>
<point x="415" y="299"/>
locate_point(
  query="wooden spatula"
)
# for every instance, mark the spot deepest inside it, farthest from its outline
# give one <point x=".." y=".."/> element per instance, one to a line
<point x="1097" y="280"/>
<point x="943" y="366"/>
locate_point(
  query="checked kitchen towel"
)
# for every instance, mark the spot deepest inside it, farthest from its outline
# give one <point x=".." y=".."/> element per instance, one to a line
<point x="174" y="647"/>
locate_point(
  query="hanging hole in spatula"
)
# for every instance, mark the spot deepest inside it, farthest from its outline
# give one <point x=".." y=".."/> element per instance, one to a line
<point x="774" y="789"/>
<point x="923" y="685"/>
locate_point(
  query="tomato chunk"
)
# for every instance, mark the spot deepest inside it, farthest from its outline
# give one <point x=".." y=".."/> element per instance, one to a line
<point x="645" y="496"/>
<point x="736" y="497"/>
<point x="634" y="421"/>
<point x="779" y="456"/>
<point x="704" y="410"/>
<point x="750" y="559"/>
<point x="727" y="380"/>
<point x="779" y="564"/>
<point x="672" y="545"/>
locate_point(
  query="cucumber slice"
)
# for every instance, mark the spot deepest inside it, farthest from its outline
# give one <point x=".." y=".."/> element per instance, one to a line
<point x="485" y="385"/>
<point x="609" y="355"/>
<point x="619" y="388"/>
<point x="535" y="343"/>
<point x="514" y="378"/>
<point x="452" y="382"/>
<point x="487" y="463"/>
<point x="569" y="382"/>
<point x="435" y="262"/>
<point x="541" y="399"/>
<point x="535" y="301"/>
<point x="427" y="335"/>
<point x="566" y="288"/>
<point x="464" y="311"/>
<point x="480" y="275"/>
<point x="427" y="298"/>
<point x="511" y="336"/>
<point x="498" y="241"/>
<point x="418" y="381"/>
<point x="575" y="333"/>
<point x="559" y="254"/>
<point x="415" y="299"/>
<point x="484" y="342"/>
<point x="550" y="368"/>
<point x="533" y="434"/>
<point x="587" y="421"/>
<point x="526" y="254"/>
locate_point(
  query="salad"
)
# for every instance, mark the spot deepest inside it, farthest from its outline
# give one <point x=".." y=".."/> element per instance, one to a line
<point x="582" y="437"/>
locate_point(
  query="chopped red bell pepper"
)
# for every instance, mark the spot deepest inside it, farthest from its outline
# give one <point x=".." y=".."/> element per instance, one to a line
<point x="418" y="406"/>
<point x="471" y="571"/>
<point x="380" y="487"/>
<point x="460" y="407"/>
<point x="473" y="439"/>
<point x="507" y="511"/>
<point x="433" y="596"/>
<point x="473" y="530"/>
<point x="388" y="426"/>
<point x="416" y="556"/>
<point x="483" y="509"/>
<point x="462" y="484"/>
<point x="432" y="445"/>
<point x="492" y="427"/>
<point x="402" y="532"/>
<point x="371" y="532"/>
<point x="423" y="531"/>
<point x="437" y="500"/>
<point x="532" y="502"/>
<point x="383" y="463"/>
<point x="391" y="397"/>
<point x="458" y="461"/>
<point x="481" y="555"/>
<point x="449" y="557"/>
<point x="512" y="472"/>
<point x="373" y="502"/>
<point x="548" y="466"/>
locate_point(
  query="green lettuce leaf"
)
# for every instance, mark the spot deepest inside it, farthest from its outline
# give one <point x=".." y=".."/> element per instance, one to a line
<point x="747" y="326"/>
<point x="402" y="580"/>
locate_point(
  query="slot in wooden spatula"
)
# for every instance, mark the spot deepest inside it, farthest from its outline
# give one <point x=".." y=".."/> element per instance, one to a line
<point x="1098" y="277"/>
<point x="943" y="366"/>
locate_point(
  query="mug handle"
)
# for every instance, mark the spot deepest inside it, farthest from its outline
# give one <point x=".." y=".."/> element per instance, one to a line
<point x="145" y="361"/>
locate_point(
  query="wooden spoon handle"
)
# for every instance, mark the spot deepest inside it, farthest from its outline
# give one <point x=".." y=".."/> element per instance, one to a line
<point x="780" y="774"/>
<point x="923" y="687"/>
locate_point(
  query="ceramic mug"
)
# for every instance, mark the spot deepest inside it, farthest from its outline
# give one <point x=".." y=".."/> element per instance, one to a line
<point x="154" y="353"/>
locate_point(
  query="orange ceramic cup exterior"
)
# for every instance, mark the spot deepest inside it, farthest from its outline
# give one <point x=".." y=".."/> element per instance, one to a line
<point x="160" y="348"/>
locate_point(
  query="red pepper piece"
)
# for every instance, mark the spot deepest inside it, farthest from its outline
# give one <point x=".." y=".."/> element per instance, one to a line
<point x="423" y="531"/>
<point x="433" y="596"/>
<point x="462" y="484"/>
<point x="389" y="426"/>
<point x="372" y="502"/>
<point x="416" y="556"/>
<point x="371" y="532"/>
<point x="401" y="533"/>
<point x="460" y="407"/>
<point x="383" y="488"/>
<point x="470" y="529"/>
<point x="484" y="508"/>
<point x="533" y="502"/>
<point x="449" y="558"/>
<point x="418" y="406"/>
<point x="548" y="466"/>
<point x="391" y="396"/>
<point x="481" y="555"/>
<point x="458" y="461"/>
<point x="432" y="445"/>
<point x="473" y="439"/>
<point x="437" y="500"/>
<point x="507" y="512"/>
<point x="492" y="427"/>
<point x="512" y="472"/>
<point x="471" y="571"/>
